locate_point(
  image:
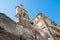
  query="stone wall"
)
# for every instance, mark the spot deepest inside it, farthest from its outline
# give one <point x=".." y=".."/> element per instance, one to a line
<point x="18" y="31"/>
<point x="4" y="35"/>
<point x="7" y="24"/>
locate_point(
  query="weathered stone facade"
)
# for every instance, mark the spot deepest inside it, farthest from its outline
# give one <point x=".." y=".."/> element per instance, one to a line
<point x="6" y="23"/>
<point x="39" y="28"/>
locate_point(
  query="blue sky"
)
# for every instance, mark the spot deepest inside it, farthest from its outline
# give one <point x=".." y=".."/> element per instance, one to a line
<point x="50" y="8"/>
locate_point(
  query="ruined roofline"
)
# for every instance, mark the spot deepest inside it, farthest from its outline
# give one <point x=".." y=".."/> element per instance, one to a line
<point x="20" y="5"/>
<point x="7" y="17"/>
<point x="43" y="16"/>
<point x="36" y="16"/>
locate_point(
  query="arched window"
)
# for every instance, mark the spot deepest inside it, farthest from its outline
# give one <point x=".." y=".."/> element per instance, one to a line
<point x="32" y="23"/>
<point x="37" y="17"/>
<point x="24" y="15"/>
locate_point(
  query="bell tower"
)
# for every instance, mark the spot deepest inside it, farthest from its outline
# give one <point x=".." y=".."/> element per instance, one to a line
<point x="21" y="15"/>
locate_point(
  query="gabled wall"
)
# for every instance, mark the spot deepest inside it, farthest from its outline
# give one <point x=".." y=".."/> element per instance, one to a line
<point x="7" y="24"/>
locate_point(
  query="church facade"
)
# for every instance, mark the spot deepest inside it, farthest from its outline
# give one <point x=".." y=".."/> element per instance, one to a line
<point x="39" y="28"/>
